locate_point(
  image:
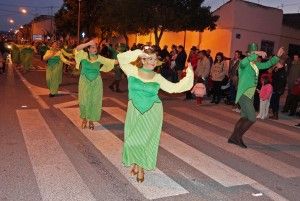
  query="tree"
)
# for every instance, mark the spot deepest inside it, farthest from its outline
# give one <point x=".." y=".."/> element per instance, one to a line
<point x="122" y="16"/>
<point x="176" y="15"/>
<point x="67" y="15"/>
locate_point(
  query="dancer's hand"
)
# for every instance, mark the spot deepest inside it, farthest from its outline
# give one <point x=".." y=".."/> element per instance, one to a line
<point x="92" y="42"/>
<point x="261" y="53"/>
<point x="280" y="52"/>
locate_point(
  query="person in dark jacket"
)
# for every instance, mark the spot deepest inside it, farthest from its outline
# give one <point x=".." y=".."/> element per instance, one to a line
<point x="293" y="74"/>
<point x="278" y="82"/>
<point x="180" y="61"/>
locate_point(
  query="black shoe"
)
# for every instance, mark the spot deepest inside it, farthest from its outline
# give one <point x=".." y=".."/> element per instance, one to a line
<point x="232" y="141"/>
<point x="298" y="125"/>
<point x="238" y="143"/>
<point x="51" y="95"/>
<point x="242" y="144"/>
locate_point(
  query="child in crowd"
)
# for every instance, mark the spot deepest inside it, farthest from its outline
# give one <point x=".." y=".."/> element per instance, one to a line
<point x="265" y="94"/>
<point x="199" y="90"/>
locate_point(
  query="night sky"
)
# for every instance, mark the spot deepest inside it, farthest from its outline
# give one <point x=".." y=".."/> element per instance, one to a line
<point x="9" y="9"/>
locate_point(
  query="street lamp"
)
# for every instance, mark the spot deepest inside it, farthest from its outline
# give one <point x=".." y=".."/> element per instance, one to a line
<point x="78" y="23"/>
<point x="11" y="21"/>
<point x="23" y="10"/>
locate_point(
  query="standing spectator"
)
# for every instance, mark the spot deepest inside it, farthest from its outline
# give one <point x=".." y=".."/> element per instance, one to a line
<point x="164" y="52"/>
<point x="211" y="60"/>
<point x="115" y="85"/>
<point x="295" y="97"/>
<point x="193" y="59"/>
<point x="218" y="72"/>
<point x="233" y="75"/>
<point x="278" y="83"/>
<point x="180" y="62"/>
<point x="203" y="66"/>
<point x="265" y="94"/>
<point x="294" y="73"/>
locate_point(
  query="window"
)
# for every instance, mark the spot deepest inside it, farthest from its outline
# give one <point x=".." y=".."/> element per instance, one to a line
<point x="267" y="46"/>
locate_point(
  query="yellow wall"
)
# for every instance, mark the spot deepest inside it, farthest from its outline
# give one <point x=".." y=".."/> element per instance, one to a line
<point x="218" y="40"/>
<point x="168" y="38"/>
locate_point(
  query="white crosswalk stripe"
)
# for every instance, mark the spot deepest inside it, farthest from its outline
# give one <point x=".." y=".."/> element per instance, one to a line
<point x="229" y="127"/>
<point x="207" y="165"/>
<point x="260" y="159"/>
<point x="261" y="124"/>
<point x="156" y="185"/>
<point x="56" y="176"/>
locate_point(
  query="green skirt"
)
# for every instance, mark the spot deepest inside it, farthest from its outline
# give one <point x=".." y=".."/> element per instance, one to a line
<point x="142" y="135"/>
<point x="90" y="95"/>
<point x="54" y="77"/>
<point x="15" y="56"/>
<point x="26" y="60"/>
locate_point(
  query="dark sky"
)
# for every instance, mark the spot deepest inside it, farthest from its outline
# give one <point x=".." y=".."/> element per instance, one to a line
<point x="9" y="9"/>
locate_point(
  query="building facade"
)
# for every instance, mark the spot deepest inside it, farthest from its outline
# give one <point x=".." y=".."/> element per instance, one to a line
<point x="42" y="27"/>
<point x="240" y="23"/>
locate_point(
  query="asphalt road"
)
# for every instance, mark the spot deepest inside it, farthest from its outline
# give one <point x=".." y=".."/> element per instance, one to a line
<point x="46" y="156"/>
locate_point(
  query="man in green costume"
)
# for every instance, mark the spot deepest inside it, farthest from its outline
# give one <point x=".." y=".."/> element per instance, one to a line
<point x="118" y="72"/>
<point x="248" y="77"/>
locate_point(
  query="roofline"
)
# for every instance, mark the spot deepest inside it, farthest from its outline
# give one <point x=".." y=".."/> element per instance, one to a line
<point x="248" y="2"/>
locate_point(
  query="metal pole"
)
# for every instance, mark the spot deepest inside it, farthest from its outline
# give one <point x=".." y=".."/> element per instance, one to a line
<point x="78" y="23"/>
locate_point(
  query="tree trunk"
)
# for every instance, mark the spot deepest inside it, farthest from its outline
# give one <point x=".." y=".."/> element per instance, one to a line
<point x="158" y="35"/>
<point x="126" y="38"/>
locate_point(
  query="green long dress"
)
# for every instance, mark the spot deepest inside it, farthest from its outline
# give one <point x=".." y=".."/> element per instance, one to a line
<point x="26" y="54"/>
<point x="15" y="54"/>
<point x="144" y="116"/>
<point x="54" y="71"/>
<point x="90" y="90"/>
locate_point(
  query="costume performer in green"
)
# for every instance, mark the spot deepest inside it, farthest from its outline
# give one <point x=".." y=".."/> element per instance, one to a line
<point x="118" y="71"/>
<point x="15" y="54"/>
<point x="144" y="116"/>
<point x="248" y="76"/>
<point x="26" y="55"/>
<point x="55" y="60"/>
<point x="90" y="90"/>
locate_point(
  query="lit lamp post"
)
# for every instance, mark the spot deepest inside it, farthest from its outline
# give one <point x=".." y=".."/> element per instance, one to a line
<point x="23" y="10"/>
<point x="11" y="21"/>
<point x="78" y="23"/>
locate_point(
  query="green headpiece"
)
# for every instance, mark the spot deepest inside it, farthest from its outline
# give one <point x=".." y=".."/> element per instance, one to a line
<point x="121" y="47"/>
<point x="252" y="47"/>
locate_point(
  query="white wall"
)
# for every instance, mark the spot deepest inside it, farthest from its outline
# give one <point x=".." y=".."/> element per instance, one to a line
<point x="289" y="36"/>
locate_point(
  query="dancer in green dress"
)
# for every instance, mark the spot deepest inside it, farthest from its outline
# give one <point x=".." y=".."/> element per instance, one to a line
<point x="90" y="83"/>
<point x="26" y="55"/>
<point x="15" y="54"/>
<point x="144" y="116"/>
<point x="55" y="60"/>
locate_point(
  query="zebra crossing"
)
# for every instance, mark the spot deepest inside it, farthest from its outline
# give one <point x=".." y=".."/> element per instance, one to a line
<point x="157" y="184"/>
<point x="58" y="179"/>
